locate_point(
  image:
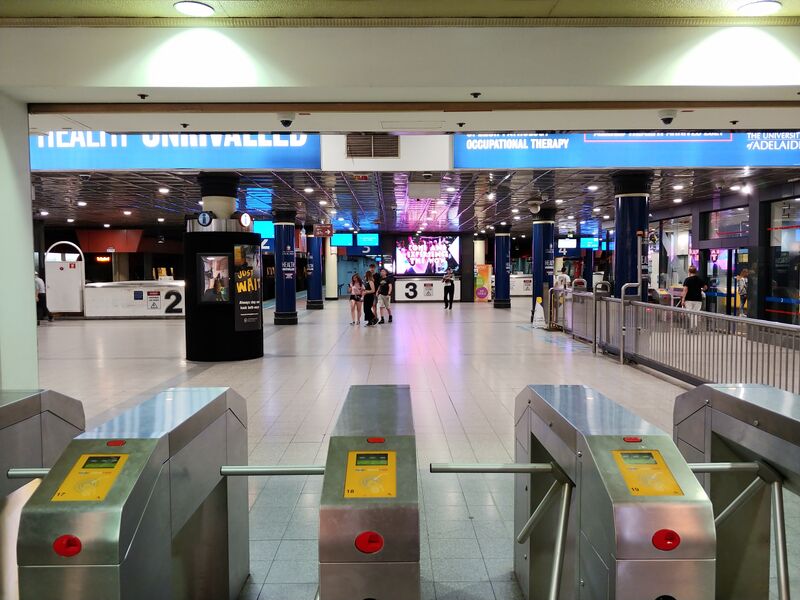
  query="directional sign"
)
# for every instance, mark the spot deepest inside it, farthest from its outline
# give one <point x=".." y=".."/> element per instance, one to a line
<point x="323" y="230"/>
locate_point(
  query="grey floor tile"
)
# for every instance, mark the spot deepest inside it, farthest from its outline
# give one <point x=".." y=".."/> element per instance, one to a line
<point x="500" y="569"/>
<point x="428" y="591"/>
<point x="293" y="571"/>
<point x="492" y="547"/>
<point x="258" y="570"/>
<point x="298" y="550"/>
<point x="507" y="590"/>
<point x="288" y="591"/>
<point x="443" y="548"/>
<point x="451" y="529"/>
<point x="250" y="591"/>
<point x="459" y="569"/>
<point x="464" y="591"/>
<point x="263" y="550"/>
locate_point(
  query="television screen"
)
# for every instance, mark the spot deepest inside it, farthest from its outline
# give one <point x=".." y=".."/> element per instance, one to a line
<point x="590" y="243"/>
<point x="265" y="228"/>
<point x="342" y="239"/>
<point x="367" y="239"/>
<point x="603" y="246"/>
<point x="568" y="243"/>
<point x="215" y="278"/>
<point x="427" y="255"/>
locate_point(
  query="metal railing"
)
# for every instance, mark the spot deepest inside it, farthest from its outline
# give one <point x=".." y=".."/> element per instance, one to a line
<point x="558" y="310"/>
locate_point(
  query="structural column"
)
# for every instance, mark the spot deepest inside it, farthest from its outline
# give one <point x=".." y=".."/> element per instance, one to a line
<point x="314" y="301"/>
<point x="479" y="248"/>
<point x="331" y="271"/>
<point x="632" y="205"/>
<point x="542" y="253"/>
<point x="285" y="268"/>
<point x="502" y="266"/>
<point x="18" y="350"/>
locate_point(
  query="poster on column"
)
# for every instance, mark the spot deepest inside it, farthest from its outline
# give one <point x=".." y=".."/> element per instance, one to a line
<point x="247" y="287"/>
<point x="483" y="283"/>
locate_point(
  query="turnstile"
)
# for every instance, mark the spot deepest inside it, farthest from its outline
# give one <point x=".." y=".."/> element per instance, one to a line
<point x="136" y="509"/>
<point x="369" y="510"/>
<point x="35" y="427"/>
<point x="745" y="422"/>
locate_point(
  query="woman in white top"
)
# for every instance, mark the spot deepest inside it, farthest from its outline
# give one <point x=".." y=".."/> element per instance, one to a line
<point x="356" y="290"/>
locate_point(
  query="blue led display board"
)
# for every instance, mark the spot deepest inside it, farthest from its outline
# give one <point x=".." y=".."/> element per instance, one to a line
<point x="101" y="151"/>
<point x="590" y="243"/>
<point x="367" y="239"/>
<point x="342" y="239"/>
<point x="625" y="150"/>
<point x="265" y="228"/>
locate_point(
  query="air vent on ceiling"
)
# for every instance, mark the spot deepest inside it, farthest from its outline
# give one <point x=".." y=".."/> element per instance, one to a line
<point x="377" y="145"/>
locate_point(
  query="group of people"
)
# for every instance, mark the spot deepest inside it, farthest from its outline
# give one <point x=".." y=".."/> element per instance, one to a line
<point x="373" y="294"/>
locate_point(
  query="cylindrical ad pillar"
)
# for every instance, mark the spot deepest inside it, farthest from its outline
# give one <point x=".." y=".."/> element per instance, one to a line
<point x="314" y="295"/>
<point x="542" y="253"/>
<point x="502" y="266"/>
<point x="632" y="205"/>
<point x="285" y="268"/>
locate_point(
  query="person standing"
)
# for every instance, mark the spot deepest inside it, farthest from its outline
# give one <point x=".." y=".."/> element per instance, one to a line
<point x="692" y="297"/>
<point x="741" y="289"/>
<point x="41" y="299"/>
<point x="369" y="299"/>
<point x="449" y="288"/>
<point x="563" y="279"/>
<point x="356" y="289"/>
<point x="385" y="287"/>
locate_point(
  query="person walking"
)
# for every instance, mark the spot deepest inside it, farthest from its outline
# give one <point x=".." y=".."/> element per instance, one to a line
<point x="41" y="299"/>
<point x="692" y="297"/>
<point x="369" y="299"/>
<point x="385" y="286"/>
<point x="449" y="288"/>
<point x="356" y="290"/>
<point x="741" y="289"/>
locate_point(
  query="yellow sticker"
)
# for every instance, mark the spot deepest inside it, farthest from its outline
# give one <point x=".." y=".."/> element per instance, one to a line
<point x="371" y="474"/>
<point x="91" y="478"/>
<point x="646" y="473"/>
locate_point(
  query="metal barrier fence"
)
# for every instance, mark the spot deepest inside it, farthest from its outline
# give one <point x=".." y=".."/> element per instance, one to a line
<point x="697" y="347"/>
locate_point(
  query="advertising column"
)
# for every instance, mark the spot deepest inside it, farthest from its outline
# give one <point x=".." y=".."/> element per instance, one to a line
<point x="542" y="253"/>
<point x="632" y="202"/>
<point x="502" y="266"/>
<point x="285" y="268"/>
<point x="314" y="301"/>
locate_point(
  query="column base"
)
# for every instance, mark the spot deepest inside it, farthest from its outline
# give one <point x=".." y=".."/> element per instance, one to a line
<point x="331" y="299"/>
<point x="502" y="303"/>
<point x="315" y="304"/>
<point x="286" y="318"/>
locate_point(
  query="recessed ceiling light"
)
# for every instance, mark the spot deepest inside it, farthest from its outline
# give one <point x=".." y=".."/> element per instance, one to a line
<point x="309" y="190"/>
<point x="163" y="190"/>
<point x="323" y="202"/>
<point x="160" y="219"/>
<point x="503" y="223"/>
<point x="606" y="217"/>
<point x="593" y="188"/>
<point x="347" y="224"/>
<point x="351" y="228"/>
<point x="596" y="209"/>
<point x="559" y="202"/>
<point x="440" y="202"/>
<point x="106" y="225"/>
<point x="517" y="218"/>
<point x="127" y="213"/>
<point x="81" y="203"/>
<point x="193" y="9"/>
<point x="451" y="189"/>
<point x="483" y="231"/>
<point x="583" y="222"/>
<point x="70" y="220"/>
<point x="677" y="200"/>
<point x="735" y="188"/>
<point x="200" y="203"/>
<point x="677" y="187"/>
<point x="515" y="210"/>
<point x="570" y="216"/>
<point x="333" y="211"/>
<point x="523" y="236"/>
<point x="747" y="189"/>
<point x="490" y="196"/>
<point x="740" y="208"/>
<point x="476" y="233"/>
<point x="43" y="213"/>
<point x="760" y="8"/>
<point x="491" y="227"/>
<point x="340" y="219"/>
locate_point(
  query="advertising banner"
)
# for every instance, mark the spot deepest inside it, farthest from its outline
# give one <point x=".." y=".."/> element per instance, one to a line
<point x="427" y="255"/>
<point x="101" y="151"/>
<point x="483" y="283"/>
<point x="626" y="150"/>
<point x="247" y="287"/>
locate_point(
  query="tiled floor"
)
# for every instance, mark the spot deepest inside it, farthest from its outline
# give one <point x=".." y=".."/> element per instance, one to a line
<point x="465" y="367"/>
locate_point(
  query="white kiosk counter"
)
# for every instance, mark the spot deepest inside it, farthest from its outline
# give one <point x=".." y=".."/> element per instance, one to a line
<point x="423" y="289"/>
<point x="134" y="299"/>
<point x="521" y="285"/>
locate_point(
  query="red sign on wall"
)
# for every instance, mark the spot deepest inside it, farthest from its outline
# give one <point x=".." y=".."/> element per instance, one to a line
<point x="323" y="230"/>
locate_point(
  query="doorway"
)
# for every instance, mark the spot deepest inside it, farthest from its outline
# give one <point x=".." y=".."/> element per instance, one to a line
<point x="726" y="294"/>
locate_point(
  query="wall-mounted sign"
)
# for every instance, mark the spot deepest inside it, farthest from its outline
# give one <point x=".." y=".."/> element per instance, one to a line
<point x="101" y="151"/>
<point x="323" y="230"/>
<point x="363" y="250"/>
<point x="245" y="220"/>
<point x="102" y="259"/>
<point x="624" y="150"/>
<point x="205" y="218"/>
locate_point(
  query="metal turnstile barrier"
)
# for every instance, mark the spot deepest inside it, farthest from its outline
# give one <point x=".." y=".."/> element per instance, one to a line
<point x="136" y="509"/>
<point x="35" y="427"/>
<point x="745" y="422"/>
<point x="605" y="506"/>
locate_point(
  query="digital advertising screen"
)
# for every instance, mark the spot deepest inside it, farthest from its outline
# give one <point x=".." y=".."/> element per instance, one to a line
<point x="590" y="243"/>
<point x="215" y="278"/>
<point x="265" y="228"/>
<point x="427" y="255"/>
<point x="367" y="239"/>
<point x="342" y="239"/>
<point x="568" y="243"/>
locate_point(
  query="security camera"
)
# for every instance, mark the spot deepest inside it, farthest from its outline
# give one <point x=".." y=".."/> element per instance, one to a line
<point x="286" y="119"/>
<point x="427" y="175"/>
<point x="85" y="176"/>
<point x="667" y="116"/>
<point x="534" y="208"/>
<point x="461" y="123"/>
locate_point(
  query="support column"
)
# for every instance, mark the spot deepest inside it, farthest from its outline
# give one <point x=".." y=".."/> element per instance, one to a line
<point x="479" y="247"/>
<point x="632" y="204"/>
<point x="19" y="368"/>
<point x="502" y="266"/>
<point x="467" y="268"/>
<point x="285" y="268"/>
<point x="543" y="254"/>
<point x="314" y="301"/>
<point x="331" y="271"/>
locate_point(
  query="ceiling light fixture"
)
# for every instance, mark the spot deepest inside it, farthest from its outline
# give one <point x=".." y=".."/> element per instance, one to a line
<point x="340" y="219"/>
<point x="677" y="200"/>
<point x="161" y="219"/>
<point x="596" y="209"/>
<point x="517" y="218"/>
<point x="503" y="223"/>
<point x="70" y="220"/>
<point x="677" y="187"/>
<point x="106" y="225"/>
<point x="747" y="189"/>
<point x="593" y="188"/>
<point x="760" y="8"/>
<point x="523" y="236"/>
<point x="191" y="8"/>
<point x="43" y="213"/>
<point x="451" y="189"/>
<point x="333" y="211"/>
<point x="81" y="203"/>
<point x="583" y="222"/>
<point x="163" y="190"/>
<point x="440" y="202"/>
<point x="559" y="202"/>
<point x="606" y="217"/>
<point x="200" y="202"/>
<point x="483" y="231"/>
<point x="515" y="210"/>
<point x="735" y="188"/>
<point x="323" y="202"/>
<point x="127" y="213"/>
<point x="308" y="190"/>
<point x="490" y="196"/>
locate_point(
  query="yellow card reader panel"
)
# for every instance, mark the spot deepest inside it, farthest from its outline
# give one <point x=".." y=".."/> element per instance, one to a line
<point x="91" y="478"/>
<point x="646" y="473"/>
<point x="371" y="474"/>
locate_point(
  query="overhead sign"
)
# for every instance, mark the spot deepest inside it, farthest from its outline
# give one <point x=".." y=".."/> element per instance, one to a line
<point x="625" y="150"/>
<point x="205" y="218"/>
<point x="101" y="151"/>
<point x="323" y="230"/>
<point x="363" y="250"/>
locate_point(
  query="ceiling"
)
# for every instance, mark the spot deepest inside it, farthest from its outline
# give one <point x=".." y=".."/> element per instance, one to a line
<point x="353" y="10"/>
<point x="377" y="201"/>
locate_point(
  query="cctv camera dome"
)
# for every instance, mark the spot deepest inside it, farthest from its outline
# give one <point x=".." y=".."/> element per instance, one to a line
<point x="535" y="208"/>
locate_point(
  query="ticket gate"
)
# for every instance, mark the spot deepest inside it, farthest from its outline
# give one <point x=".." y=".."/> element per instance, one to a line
<point x="35" y="427"/>
<point x="605" y="505"/>
<point x="136" y="509"/>
<point x="745" y="422"/>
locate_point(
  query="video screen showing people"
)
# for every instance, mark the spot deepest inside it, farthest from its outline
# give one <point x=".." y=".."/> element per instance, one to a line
<point x="427" y="255"/>
<point x="215" y="277"/>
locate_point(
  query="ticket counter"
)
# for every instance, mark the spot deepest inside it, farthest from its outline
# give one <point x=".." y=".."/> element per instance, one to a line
<point x="134" y="300"/>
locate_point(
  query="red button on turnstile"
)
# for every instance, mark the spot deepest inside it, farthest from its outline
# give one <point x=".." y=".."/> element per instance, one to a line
<point x="632" y="439"/>
<point x="67" y="545"/>
<point x="115" y="443"/>
<point x="376" y="440"/>
<point x="369" y="542"/>
<point x="666" y="539"/>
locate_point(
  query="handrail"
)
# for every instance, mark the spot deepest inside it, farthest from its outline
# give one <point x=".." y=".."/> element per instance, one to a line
<point x="623" y="291"/>
<point x="492" y="468"/>
<point x="23" y="473"/>
<point x="259" y="471"/>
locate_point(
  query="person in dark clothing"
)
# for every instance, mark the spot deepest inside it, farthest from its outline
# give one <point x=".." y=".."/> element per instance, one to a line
<point x="692" y="297"/>
<point x="449" y="289"/>
<point x="369" y="299"/>
<point x="385" y="286"/>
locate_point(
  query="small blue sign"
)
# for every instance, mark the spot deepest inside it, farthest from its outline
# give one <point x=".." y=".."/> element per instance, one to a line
<point x="368" y="239"/>
<point x="363" y="250"/>
<point x="265" y="228"/>
<point x="267" y="245"/>
<point x="342" y="239"/>
<point x="101" y="151"/>
<point x="590" y="243"/>
<point x="626" y="150"/>
<point x="205" y="218"/>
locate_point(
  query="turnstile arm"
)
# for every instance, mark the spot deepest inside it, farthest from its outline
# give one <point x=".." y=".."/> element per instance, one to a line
<point x="257" y="471"/>
<point x="561" y="540"/>
<point x="526" y="530"/>
<point x="492" y="468"/>
<point x="748" y="492"/>
<point x="779" y="526"/>
<point x="33" y="473"/>
<point x="724" y="467"/>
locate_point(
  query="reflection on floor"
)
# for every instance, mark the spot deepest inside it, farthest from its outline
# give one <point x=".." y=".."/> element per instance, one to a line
<point x="465" y="367"/>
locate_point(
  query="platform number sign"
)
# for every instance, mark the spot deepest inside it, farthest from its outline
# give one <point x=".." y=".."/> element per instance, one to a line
<point x="205" y="218"/>
<point x="411" y="290"/>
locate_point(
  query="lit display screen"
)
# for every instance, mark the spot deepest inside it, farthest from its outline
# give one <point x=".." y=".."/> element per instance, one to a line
<point x="568" y="243"/>
<point x="639" y="458"/>
<point x="590" y="243"/>
<point x="427" y="255"/>
<point x="342" y="239"/>
<point x="101" y="462"/>
<point x="367" y="239"/>
<point x="372" y="460"/>
<point x="265" y="228"/>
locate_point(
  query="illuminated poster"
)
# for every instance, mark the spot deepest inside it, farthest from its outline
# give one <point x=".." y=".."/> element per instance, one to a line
<point x="427" y="255"/>
<point x="483" y="283"/>
<point x="247" y="287"/>
<point x="214" y="278"/>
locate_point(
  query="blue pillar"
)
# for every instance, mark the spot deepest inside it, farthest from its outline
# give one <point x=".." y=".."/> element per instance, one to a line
<point x="632" y="202"/>
<point x="285" y="269"/>
<point x="542" y="252"/>
<point x="314" y="301"/>
<point x="502" y="266"/>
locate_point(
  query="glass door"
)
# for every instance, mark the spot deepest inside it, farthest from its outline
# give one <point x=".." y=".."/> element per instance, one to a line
<point x="727" y="279"/>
